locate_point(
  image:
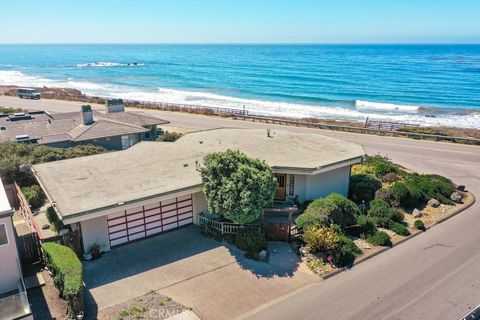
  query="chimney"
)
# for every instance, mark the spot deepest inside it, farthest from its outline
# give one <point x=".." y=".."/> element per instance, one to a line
<point x="87" y="114"/>
<point x="114" y="105"/>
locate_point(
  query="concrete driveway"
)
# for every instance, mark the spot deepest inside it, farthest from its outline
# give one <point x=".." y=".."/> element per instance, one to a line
<point x="135" y="269"/>
<point x="212" y="277"/>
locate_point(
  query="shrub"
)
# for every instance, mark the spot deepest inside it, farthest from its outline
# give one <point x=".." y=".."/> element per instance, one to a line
<point x="336" y="209"/>
<point x="380" y="165"/>
<point x="387" y="196"/>
<point x="433" y="186"/>
<point x="13" y="154"/>
<point x="380" y="238"/>
<point x="407" y="194"/>
<point x="381" y="169"/>
<point x="169" y="137"/>
<point x="367" y="225"/>
<point x="382" y="214"/>
<point x="363" y="187"/>
<point x="323" y="239"/>
<point x="236" y="186"/>
<point x="251" y="241"/>
<point x="345" y="252"/>
<point x="418" y="224"/>
<point x="308" y="220"/>
<point x="418" y="189"/>
<point x="67" y="272"/>
<point x="53" y="219"/>
<point x="34" y="196"/>
<point x="42" y="154"/>
<point x="398" y="228"/>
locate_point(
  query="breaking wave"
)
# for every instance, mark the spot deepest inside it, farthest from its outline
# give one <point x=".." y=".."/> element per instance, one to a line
<point x="109" y="64"/>
<point x="357" y="112"/>
<point x="360" y="104"/>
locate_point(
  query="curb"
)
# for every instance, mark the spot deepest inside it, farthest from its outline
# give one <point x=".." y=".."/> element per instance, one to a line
<point x="413" y="235"/>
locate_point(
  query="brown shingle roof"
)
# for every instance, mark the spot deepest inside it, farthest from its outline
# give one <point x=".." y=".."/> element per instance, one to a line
<point x="103" y="128"/>
<point x="137" y="118"/>
<point x="69" y="127"/>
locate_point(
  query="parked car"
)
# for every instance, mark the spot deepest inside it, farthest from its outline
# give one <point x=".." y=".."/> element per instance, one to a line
<point x="28" y="93"/>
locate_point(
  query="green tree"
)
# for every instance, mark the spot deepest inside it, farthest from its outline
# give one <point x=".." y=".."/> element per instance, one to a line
<point x="236" y="186"/>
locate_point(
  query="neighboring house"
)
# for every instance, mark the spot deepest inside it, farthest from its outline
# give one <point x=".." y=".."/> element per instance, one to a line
<point x="115" y="198"/>
<point x="114" y="129"/>
<point x="13" y="297"/>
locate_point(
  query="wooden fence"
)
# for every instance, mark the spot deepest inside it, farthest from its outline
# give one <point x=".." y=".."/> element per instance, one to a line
<point x="388" y="125"/>
<point x="26" y="212"/>
<point x="190" y="108"/>
<point x="29" y="248"/>
<point x="298" y="123"/>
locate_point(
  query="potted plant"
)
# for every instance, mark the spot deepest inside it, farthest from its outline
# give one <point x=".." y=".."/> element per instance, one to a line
<point x="95" y="251"/>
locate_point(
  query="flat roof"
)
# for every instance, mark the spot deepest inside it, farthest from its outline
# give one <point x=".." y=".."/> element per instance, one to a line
<point x="150" y="169"/>
<point x="5" y="207"/>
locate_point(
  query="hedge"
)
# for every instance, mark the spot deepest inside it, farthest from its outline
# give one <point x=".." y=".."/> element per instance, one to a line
<point x="67" y="271"/>
<point x="251" y="241"/>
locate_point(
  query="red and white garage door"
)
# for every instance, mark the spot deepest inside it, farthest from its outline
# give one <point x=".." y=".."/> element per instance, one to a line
<point x="148" y="220"/>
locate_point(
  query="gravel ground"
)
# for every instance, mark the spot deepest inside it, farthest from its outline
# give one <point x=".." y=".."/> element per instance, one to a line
<point x="150" y="306"/>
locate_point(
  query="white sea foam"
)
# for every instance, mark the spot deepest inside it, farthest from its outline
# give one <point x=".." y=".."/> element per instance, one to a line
<point x="109" y="64"/>
<point x="255" y="106"/>
<point x="368" y="105"/>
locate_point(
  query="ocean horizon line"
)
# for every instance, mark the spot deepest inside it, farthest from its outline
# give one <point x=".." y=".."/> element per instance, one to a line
<point x="255" y="43"/>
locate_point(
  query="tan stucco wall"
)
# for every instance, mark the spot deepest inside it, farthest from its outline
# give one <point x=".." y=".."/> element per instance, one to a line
<point x="95" y="231"/>
<point x="199" y="205"/>
<point x="9" y="260"/>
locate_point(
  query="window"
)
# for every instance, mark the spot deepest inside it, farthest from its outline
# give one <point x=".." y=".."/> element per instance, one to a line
<point x="291" y="185"/>
<point x="3" y="235"/>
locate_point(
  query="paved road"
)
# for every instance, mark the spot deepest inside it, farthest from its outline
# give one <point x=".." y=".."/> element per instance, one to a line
<point x="432" y="276"/>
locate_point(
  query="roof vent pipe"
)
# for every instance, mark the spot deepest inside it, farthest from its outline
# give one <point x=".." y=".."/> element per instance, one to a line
<point x="114" y="105"/>
<point x="87" y="114"/>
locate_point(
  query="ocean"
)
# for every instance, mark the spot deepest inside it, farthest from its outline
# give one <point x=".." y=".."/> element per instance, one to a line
<point x="430" y="85"/>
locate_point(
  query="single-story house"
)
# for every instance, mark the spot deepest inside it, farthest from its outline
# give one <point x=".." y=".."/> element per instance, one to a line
<point x="13" y="297"/>
<point x="113" y="129"/>
<point x="153" y="187"/>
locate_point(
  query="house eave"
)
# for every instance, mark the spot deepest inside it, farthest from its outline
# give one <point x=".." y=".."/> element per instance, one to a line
<point x="106" y="210"/>
<point x="320" y="169"/>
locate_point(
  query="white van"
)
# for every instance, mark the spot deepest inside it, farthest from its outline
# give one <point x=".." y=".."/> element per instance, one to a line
<point x="28" y="93"/>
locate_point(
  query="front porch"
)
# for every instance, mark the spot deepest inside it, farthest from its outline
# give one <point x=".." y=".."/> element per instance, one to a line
<point x="277" y="222"/>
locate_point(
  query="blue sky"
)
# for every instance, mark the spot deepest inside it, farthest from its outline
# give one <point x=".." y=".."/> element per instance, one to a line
<point x="240" y="21"/>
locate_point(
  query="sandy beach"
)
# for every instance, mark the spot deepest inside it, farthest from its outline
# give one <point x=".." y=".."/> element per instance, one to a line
<point x="69" y="94"/>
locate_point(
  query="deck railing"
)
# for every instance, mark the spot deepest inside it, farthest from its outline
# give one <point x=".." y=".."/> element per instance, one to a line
<point x="225" y="227"/>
